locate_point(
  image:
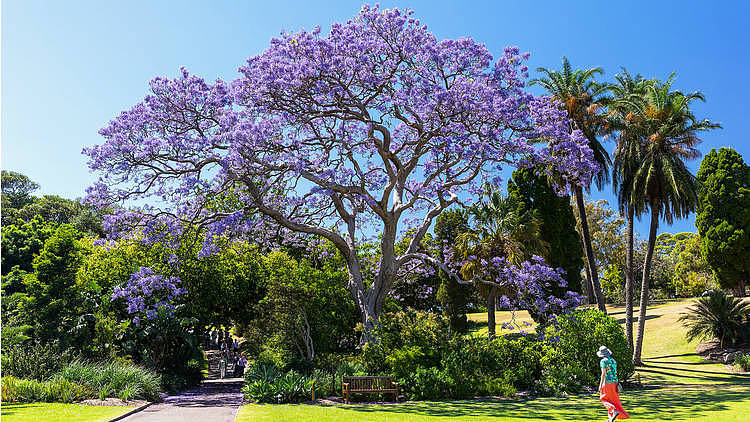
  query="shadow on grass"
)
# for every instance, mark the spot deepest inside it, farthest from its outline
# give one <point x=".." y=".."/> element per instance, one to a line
<point x="635" y="318"/>
<point x="673" y="356"/>
<point x="687" y="373"/>
<point x="677" y="404"/>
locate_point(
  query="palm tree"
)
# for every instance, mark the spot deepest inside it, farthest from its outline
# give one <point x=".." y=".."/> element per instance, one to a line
<point x="580" y="95"/>
<point x="718" y="316"/>
<point x="500" y="231"/>
<point x="626" y="157"/>
<point x="661" y="182"/>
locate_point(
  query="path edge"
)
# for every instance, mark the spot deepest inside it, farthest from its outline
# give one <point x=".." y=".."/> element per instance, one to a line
<point x="132" y="412"/>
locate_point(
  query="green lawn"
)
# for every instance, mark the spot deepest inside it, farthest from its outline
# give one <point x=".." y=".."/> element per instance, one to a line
<point x="680" y="386"/>
<point x="59" y="412"/>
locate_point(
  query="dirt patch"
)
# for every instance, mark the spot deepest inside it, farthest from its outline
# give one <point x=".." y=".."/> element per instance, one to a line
<point x="114" y="402"/>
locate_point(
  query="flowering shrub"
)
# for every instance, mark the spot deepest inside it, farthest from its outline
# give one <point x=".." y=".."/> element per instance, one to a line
<point x="146" y="293"/>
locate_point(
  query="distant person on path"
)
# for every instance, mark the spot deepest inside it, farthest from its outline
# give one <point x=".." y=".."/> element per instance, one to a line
<point x="608" y="384"/>
<point x="239" y="366"/>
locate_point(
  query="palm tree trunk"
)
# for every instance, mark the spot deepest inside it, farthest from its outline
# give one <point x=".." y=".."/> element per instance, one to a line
<point x="589" y="287"/>
<point x="491" y="301"/>
<point x="589" y="252"/>
<point x="644" y="286"/>
<point x="629" y="280"/>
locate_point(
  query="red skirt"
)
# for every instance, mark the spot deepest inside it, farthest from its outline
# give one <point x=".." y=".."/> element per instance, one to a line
<point x="611" y="400"/>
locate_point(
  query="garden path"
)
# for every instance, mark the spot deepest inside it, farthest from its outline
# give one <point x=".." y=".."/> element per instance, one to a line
<point x="215" y="400"/>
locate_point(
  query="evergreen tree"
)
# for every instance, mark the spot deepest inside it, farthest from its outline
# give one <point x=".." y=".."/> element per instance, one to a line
<point x="723" y="218"/>
<point x="557" y="225"/>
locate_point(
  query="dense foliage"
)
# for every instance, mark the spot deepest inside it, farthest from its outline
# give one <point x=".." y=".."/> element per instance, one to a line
<point x="723" y="217"/>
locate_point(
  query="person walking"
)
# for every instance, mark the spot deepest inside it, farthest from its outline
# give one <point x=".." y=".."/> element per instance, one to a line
<point x="239" y="367"/>
<point x="609" y="386"/>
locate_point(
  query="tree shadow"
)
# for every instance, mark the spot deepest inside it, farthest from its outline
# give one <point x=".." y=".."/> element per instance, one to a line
<point x="635" y="318"/>
<point x="670" y="404"/>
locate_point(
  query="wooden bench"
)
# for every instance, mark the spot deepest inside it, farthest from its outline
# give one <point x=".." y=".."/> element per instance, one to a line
<point x="368" y="384"/>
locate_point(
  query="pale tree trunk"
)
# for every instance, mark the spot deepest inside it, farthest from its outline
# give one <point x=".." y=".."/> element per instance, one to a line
<point x="374" y="297"/>
<point x="306" y="337"/>
<point x="589" y="252"/>
<point x="491" y="301"/>
<point x="629" y="280"/>
<point x="644" y="286"/>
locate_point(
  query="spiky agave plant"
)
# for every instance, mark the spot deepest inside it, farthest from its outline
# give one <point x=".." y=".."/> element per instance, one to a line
<point x="719" y="315"/>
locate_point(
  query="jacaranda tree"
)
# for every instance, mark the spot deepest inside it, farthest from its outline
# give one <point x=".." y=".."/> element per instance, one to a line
<point x="373" y="129"/>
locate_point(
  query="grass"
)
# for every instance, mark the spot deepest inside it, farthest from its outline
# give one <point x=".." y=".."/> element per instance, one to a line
<point x="679" y="386"/>
<point x="54" y="412"/>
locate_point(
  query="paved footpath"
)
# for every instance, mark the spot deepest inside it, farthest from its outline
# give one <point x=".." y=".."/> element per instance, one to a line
<point x="214" y="400"/>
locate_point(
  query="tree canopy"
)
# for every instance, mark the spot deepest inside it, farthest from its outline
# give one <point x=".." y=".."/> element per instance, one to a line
<point x="361" y="131"/>
<point x="723" y="218"/>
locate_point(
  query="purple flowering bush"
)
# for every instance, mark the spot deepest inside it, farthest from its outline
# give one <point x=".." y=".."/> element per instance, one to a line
<point x="158" y="336"/>
<point x="368" y="131"/>
<point x="147" y="293"/>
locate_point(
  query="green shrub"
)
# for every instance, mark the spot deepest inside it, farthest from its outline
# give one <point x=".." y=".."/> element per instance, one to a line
<point x="575" y="339"/>
<point x="718" y="315"/>
<point x="34" y="361"/>
<point x="409" y="337"/>
<point x="743" y="361"/>
<point x="267" y="386"/>
<point x="111" y="379"/>
<point x="260" y="391"/>
<point x="60" y="390"/>
<point x="263" y="371"/>
<point x="265" y="383"/>
<point x="428" y="384"/>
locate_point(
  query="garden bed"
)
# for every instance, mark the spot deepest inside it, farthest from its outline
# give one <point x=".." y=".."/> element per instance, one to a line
<point x="710" y="350"/>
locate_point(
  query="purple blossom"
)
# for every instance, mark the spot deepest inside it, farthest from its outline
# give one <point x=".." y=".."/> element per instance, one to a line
<point x="147" y="292"/>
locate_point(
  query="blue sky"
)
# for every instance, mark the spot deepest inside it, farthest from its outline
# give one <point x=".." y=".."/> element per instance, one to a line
<point x="69" y="67"/>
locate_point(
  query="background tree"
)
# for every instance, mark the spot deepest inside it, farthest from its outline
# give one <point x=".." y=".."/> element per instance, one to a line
<point x="305" y="309"/>
<point x="54" y="209"/>
<point x="692" y="274"/>
<point x="556" y="225"/>
<point x="499" y="230"/>
<point x="16" y="193"/>
<point x="335" y="137"/>
<point x="21" y="243"/>
<point x="54" y="298"/>
<point x="662" y="183"/>
<point x="580" y="96"/>
<point x="607" y="231"/>
<point x="453" y="296"/>
<point x="723" y="218"/>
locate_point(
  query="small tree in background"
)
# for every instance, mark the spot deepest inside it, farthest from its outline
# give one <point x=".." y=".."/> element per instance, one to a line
<point x="453" y="296"/>
<point x="723" y="219"/>
<point x="557" y="225"/>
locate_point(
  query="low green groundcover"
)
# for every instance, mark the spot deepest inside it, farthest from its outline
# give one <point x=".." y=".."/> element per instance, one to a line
<point x="62" y="412"/>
